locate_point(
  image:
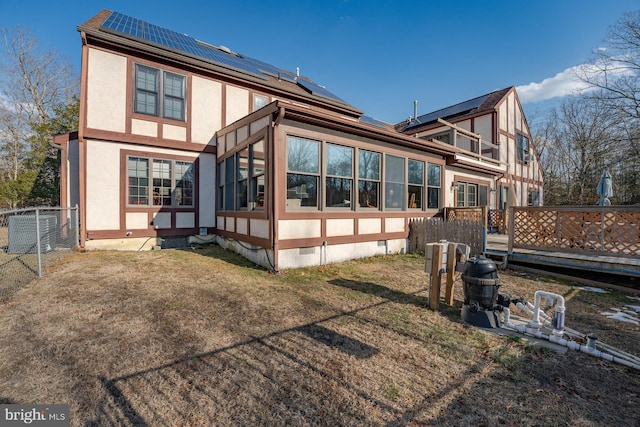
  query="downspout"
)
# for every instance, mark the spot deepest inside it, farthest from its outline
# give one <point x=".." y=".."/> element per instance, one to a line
<point x="82" y="172"/>
<point x="274" y="183"/>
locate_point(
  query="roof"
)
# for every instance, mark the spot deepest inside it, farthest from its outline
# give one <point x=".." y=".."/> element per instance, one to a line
<point x="473" y="106"/>
<point x="133" y="31"/>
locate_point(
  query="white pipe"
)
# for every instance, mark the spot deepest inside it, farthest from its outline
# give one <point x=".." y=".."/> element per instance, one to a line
<point x="569" y="344"/>
<point x="558" y="327"/>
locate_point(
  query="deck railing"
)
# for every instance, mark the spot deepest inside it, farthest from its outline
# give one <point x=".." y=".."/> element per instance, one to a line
<point x="474" y="214"/>
<point x="589" y="230"/>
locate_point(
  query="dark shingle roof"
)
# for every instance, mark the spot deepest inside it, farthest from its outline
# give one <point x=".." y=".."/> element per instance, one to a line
<point x="472" y="106"/>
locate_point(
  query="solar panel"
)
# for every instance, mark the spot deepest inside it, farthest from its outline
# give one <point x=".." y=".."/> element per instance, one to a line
<point x="318" y="90"/>
<point x="372" y="121"/>
<point x="136" y="29"/>
<point x="133" y="28"/>
<point x="452" y="110"/>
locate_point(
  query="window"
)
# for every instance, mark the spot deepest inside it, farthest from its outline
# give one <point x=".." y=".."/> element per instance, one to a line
<point x="162" y="183"/>
<point x="394" y="182"/>
<point x="339" y="178"/>
<point x="257" y="161"/>
<point x="241" y="182"/>
<point x="229" y="169"/>
<point x="522" y="148"/>
<point x="368" y="179"/>
<point x="159" y="93"/>
<point x="442" y="137"/>
<point x="433" y="186"/>
<point x="533" y="198"/>
<point x="138" y="173"/>
<point x="416" y="183"/>
<point x="171" y="182"/>
<point x="259" y="101"/>
<point x="184" y="184"/>
<point x="470" y="195"/>
<point x="303" y="172"/>
<point x="242" y="179"/>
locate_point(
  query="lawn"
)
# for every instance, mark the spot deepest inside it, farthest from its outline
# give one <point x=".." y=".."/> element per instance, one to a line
<point x="203" y="337"/>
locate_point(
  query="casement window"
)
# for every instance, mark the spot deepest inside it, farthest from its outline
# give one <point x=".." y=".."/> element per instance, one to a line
<point x="470" y="195"/>
<point x="303" y="172"/>
<point x="416" y="183"/>
<point x="394" y="172"/>
<point x="522" y="148"/>
<point x="159" y="182"/>
<point x="159" y="93"/>
<point x="368" y="179"/>
<point x="339" y="176"/>
<point x="433" y="186"/>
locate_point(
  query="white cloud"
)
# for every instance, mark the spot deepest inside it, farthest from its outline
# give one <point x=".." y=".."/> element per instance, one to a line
<point x="564" y="83"/>
<point x="567" y="83"/>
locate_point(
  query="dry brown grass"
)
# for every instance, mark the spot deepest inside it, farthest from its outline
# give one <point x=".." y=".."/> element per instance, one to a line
<point x="202" y="337"/>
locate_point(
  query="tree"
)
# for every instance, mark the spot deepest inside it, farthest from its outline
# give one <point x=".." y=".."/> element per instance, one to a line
<point x="578" y="142"/>
<point x="36" y="86"/>
<point x="613" y="73"/>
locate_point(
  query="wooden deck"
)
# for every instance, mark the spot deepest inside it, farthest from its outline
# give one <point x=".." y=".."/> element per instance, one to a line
<point x="498" y="248"/>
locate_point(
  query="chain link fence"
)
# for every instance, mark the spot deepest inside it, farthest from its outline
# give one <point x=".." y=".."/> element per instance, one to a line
<point x="31" y="240"/>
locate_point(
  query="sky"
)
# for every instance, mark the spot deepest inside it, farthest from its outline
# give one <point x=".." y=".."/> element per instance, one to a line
<point x="378" y="55"/>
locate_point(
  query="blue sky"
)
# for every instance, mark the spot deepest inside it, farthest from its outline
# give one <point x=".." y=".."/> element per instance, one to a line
<point x="379" y="56"/>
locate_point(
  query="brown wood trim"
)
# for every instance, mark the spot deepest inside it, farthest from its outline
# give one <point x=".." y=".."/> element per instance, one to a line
<point x="105" y="135"/>
<point x="82" y="190"/>
<point x="163" y="232"/>
<point x="252" y="240"/>
<point x="339" y="240"/>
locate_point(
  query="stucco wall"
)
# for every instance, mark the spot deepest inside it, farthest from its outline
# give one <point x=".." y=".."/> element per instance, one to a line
<point x="206" y="109"/>
<point x="106" y="91"/>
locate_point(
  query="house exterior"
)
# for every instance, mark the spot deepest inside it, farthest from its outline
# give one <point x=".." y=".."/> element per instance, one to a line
<point x="181" y="141"/>
<point x="493" y="135"/>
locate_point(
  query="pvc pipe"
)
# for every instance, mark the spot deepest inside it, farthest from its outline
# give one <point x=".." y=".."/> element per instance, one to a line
<point x="558" y="321"/>
<point x="619" y="358"/>
<point x="528" y="308"/>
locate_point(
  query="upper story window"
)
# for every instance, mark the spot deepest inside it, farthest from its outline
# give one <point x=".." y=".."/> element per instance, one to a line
<point x="159" y="93"/>
<point x="259" y="101"/>
<point x="533" y="198"/>
<point x="522" y="148"/>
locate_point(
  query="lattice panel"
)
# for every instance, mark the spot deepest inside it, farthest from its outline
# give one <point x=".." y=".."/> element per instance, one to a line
<point x="498" y="220"/>
<point x="535" y="229"/>
<point x="586" y="230"/>
<point x="621" y="232"/>
<point x="465" y="215"/>
<point x="580" y="230"/>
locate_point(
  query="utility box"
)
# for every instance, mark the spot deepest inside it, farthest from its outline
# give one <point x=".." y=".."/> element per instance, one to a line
<point x="23" y="234"/>
<point x="429" y="251"/>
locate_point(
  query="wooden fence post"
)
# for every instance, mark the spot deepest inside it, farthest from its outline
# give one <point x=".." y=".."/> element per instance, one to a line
<point x="436" y="277"/>
<point x="451" y="267"/>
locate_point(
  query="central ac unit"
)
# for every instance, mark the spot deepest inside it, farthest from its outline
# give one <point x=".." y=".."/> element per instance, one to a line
<point x="22" y="234"/>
